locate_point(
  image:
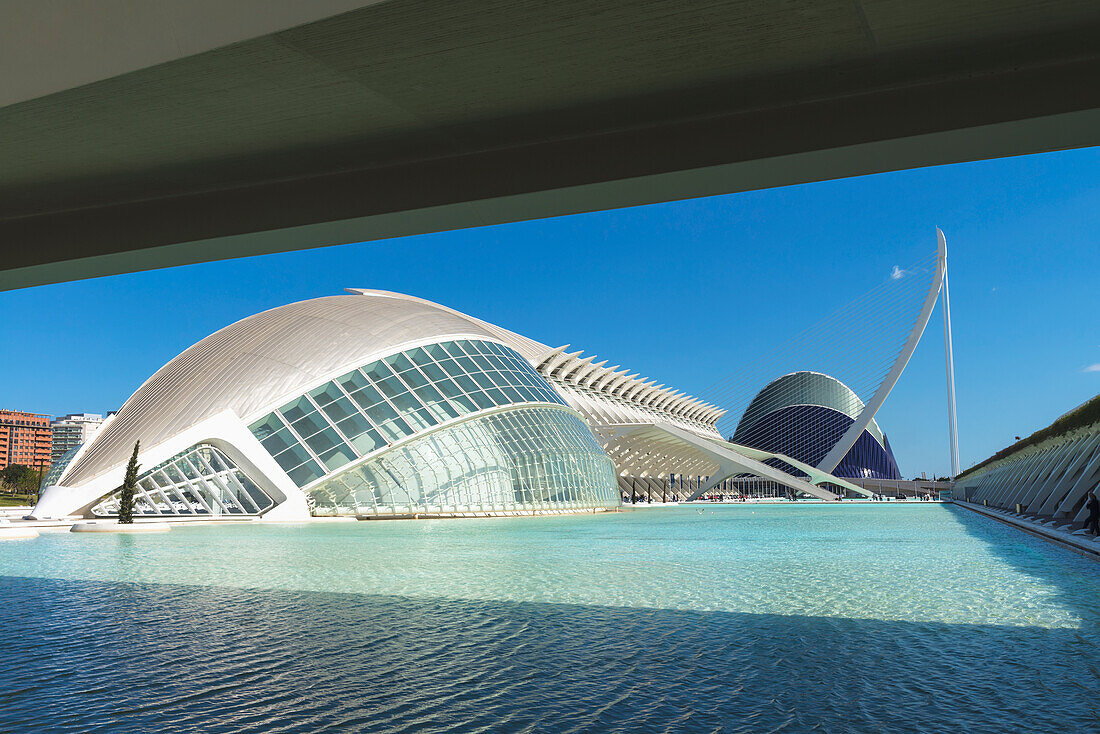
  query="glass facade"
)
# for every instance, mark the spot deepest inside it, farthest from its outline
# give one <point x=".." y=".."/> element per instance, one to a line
<point x="524" y="459"/>
<point x="392" y="398"/>
<point x="537" y="455"/>
<point x="200" y="481"/>
<point x="58" y="467"/>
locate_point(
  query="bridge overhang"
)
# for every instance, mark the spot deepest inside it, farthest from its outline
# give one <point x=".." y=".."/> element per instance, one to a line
<point x="132" y="140"/>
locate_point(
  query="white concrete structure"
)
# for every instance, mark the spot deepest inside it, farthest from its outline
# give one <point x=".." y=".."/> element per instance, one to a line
<point x="1052" y="478"/>
<point x="381" y="404"/>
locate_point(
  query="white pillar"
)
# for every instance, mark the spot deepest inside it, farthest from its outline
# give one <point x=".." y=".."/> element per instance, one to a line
<point x="952" y="425"/>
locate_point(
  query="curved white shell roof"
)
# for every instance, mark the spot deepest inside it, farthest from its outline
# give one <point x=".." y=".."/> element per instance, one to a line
<point x="251" y="365"/>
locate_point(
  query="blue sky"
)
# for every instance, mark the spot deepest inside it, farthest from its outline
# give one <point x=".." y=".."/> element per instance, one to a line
<point x="683" y="292"/>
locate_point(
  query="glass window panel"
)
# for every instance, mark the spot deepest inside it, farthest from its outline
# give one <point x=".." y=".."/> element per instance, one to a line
<point x="434" y="372"/>
<point x="464" y="402"/>
<point x="482" y="362"/>
<point x="391" y="387"/>
<point x="366" y="397"/>
<point x="380" y="412"/>
<point x="353" y="425"/>
<point x="448" y="388"/>
<point x="527" y="379"/>
<point x="377" y="371"/>
<point x="352" y="381"/>
<point x="453" y="349"/>
<point x="414" y="379"/>
<point x="418" y="356"/>
<point x="443" y="410"/>
<point x="467" y="364"/>
<point x="452" y="368"/>
<point x="427" y="394"/>
<point x="497" y="396"/>
<point x="325" y="394"/>
<point x="436" y="351"/>
<point x="278" y="442"/>
<point x="552" y="396"/>
<point x="188" y="470"/>
<point x="499" y="379"/>
<point x="292" y="457"/>
<point x="497" y="363"/>
<point x="483" y="401"/>
<point x="483" y="380"/>
<point x="467" y="346"/>
<point x="395" y="429"/>
<point x="367" y="441"/>
<point x="398" y="362"/>
<point x="530" y="395"/>
<point x="339" y="409"/>
<point x="337" y="457"/>
<point x="513" y="394"/>
<point x="215" y="461"/>
<point x="406" y="402"/>
<point x="467" y="384"/>
<point x="309" y="424"/>
<point x="305" y="473"/>
<point x="295" y="409"/>
<point x="323" y="441"/>
<point x="266" y="426"/>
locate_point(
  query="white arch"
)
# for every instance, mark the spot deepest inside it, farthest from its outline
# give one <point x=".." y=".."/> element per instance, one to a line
<point x="841" y="447"/>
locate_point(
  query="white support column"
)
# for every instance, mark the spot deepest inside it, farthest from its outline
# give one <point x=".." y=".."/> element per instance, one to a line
<point x="1069" y="477"/>
<point x="1038" y="492"/>
<point x="952" y="425"/>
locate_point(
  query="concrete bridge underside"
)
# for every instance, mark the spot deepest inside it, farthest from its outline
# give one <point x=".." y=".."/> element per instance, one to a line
<point x="138" y="134"/>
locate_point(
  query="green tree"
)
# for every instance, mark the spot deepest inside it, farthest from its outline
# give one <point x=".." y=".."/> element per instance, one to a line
<point x="18" y="475"/>
<point x="129" y="484"/>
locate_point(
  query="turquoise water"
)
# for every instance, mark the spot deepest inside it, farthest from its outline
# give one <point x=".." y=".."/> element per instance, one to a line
<point x="749" y="618"/>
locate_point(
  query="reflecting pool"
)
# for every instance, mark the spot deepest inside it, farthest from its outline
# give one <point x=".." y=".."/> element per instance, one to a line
<point x="915" y="617"/>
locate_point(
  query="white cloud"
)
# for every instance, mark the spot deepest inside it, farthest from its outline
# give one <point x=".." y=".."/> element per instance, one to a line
<point x="1092" y="368"/>
<point x="897" y="273"/>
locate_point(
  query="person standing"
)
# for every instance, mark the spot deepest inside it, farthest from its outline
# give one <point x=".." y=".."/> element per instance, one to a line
<point x="1093" y="522"/>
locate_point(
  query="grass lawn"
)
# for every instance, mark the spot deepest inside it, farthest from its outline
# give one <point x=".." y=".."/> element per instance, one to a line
<point x="16" y="500"/>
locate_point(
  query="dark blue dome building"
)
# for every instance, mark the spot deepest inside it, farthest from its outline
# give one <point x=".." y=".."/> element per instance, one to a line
<point x="804" y="414"/>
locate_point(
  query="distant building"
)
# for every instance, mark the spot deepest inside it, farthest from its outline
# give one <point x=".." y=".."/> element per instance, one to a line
<point x="25" y="438"/>
<point x="804" y="414"/>
<point x="69" y="431"/>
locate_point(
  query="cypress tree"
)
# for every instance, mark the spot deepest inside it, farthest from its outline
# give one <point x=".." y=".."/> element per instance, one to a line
<point x="129" y="484"/>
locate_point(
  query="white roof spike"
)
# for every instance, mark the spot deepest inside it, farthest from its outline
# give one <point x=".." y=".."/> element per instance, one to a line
<point x="565" y="360"/>
<point x="590" y="373"/>
<point x="624" y="382"/>
<point x="638" y="386"/>
<point x="610" y="373"/>
<point x="544" y="358"/>
<point x="661" y="400"/>
<point x="569" y="374"/>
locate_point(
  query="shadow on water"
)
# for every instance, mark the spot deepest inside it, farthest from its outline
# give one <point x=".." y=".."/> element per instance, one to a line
<point x="86" y="656"/>
<point x="1075" y="577"/>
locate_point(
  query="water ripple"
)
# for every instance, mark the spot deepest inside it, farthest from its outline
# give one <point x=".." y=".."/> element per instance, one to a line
<point x="531" y="628"/>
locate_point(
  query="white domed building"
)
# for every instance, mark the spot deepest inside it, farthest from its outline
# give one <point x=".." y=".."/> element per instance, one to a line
<point x="377" y="404"/>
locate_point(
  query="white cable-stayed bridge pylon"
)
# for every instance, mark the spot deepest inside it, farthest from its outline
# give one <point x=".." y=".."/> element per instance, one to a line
<point x="855" y="355"/>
